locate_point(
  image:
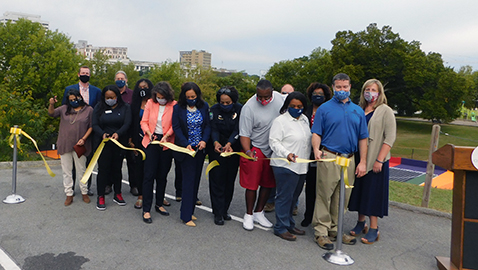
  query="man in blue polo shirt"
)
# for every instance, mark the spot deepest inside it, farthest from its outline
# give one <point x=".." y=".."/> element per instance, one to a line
<point x="339" y="129"/>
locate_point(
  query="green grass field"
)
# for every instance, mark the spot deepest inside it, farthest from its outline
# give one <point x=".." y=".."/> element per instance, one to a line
<point x="413" y="141"/>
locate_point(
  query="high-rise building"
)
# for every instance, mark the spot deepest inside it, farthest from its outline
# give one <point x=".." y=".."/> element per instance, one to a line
<point x="15" y="16"/>
<point x="195" y="58"/>
<point x="113" y="53"/>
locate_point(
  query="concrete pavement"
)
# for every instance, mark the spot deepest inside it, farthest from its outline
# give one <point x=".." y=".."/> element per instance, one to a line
<point x="42" y="233"/>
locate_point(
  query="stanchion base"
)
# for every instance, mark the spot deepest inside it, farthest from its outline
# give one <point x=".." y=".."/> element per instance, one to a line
<point x="338" y="257"/>
<point x="14" y="198"/>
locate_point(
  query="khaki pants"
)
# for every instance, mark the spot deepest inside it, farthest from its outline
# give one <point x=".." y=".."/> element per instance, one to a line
<point x="67" y="160"/>
<point x="328" y="191"/>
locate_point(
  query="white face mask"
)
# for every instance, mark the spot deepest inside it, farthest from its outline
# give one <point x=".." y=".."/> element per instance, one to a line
<point x="162" y="101"/>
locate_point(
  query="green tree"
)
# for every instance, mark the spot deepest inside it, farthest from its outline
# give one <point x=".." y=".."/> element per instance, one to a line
<point x="245" y="85"/>
<point x="170" y="72"/>
<point x="35" y="59"/>
<point x="302" y="71"/>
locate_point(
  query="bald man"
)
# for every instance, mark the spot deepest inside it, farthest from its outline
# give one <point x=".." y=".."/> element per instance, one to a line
<point x="286" y="89"/>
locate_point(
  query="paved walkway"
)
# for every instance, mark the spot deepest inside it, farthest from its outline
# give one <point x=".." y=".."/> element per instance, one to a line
<point x="42" y="233"/>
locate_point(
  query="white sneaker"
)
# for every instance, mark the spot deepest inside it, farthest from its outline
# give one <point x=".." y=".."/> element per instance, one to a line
<point x="248" y="223"/>
<point x="260" y="218"/>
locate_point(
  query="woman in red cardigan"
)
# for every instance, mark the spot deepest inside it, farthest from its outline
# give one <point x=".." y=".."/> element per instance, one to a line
<point x="157" y="126"/>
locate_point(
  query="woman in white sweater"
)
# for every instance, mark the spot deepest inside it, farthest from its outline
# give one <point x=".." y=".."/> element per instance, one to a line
<point x="289" y="138"/>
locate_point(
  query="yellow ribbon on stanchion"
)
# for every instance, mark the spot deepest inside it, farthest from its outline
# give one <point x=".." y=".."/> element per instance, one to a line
<point x="18" y="132"/>
<point x="97" y="154"/>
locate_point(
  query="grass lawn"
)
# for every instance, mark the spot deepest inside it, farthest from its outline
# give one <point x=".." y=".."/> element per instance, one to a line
<point x="440" y="199"/>
<point x="413" y="141"/>
<point x="413" y="138"/>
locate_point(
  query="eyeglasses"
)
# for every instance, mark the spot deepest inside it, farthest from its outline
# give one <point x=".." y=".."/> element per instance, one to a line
<point x="224" y="91"/>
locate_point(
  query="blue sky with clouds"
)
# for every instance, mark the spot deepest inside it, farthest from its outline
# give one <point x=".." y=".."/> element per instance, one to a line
<point x="253" y="35"/>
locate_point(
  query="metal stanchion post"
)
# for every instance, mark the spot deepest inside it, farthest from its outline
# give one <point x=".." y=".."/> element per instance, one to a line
<point x="338" y="256"/>
<point x="14" y="198"/>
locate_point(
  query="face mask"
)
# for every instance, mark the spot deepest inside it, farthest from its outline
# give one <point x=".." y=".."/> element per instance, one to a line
<point x="191" y="102"/>
<point x="143" y="92"/>
<point x="264" y="102"/>
<point x="84" y="78"/>
<point x="370" y="96"/>
<point x="341" y="95"/>
<point x="74" y="103"/>
<point x="226" y="108"/>
<point x="161" y="101"/>
<point x="317" y="100"/>
<point x="120" y="83"/>
<point x="295" y="112"/>
<point x="110" y="102"/>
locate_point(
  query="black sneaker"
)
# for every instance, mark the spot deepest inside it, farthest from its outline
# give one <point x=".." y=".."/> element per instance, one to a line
<point x="100" y="204"/>
<point x="119" y="199"/>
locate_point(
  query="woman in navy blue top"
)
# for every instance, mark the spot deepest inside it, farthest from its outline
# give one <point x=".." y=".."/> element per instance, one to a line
<point x="111" y="119"/>
<point x="192" y="129"/>
<point x="224" y="138"/>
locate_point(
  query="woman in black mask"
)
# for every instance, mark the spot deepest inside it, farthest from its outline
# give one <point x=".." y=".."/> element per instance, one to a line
<point x="224" y="138"/>
<point x="141" y="95"/>
<point x="317" y="93"/>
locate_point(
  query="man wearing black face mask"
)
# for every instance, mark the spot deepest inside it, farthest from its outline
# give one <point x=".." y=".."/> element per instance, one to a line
<point x="91" y="95"/>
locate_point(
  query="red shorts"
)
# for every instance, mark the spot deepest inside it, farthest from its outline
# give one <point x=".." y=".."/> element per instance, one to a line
<point x="253" y="174"/>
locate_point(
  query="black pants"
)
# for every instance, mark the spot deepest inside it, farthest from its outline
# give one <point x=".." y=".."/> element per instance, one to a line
<point x="156" y="167"/>
<point x="109" y="168"/>
<point x="221" y="182"/>
<point x="310" y="193"/>
<point x="131" y="163"/>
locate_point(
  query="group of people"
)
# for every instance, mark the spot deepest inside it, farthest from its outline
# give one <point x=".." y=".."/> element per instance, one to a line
<point x="274" y="130"/>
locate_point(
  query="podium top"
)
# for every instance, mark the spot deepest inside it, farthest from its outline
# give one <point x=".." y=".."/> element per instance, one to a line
<point x="454" y="158"/>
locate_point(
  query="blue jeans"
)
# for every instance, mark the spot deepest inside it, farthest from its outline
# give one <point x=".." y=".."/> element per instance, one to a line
<point x="289" y="186"/>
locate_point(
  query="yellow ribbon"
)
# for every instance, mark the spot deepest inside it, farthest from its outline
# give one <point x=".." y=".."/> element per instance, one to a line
<point x="176" y="148"/>
<point x="343" y="162"/>
<point x="18" y="132"/>
<point x="211" y="166"/>
<point x="97" y="154"/>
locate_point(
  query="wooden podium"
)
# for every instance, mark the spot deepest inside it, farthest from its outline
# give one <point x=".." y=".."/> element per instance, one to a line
<point x="464" y="225"/>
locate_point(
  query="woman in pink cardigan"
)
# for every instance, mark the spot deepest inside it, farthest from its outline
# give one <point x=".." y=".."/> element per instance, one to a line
<point x="157" y="126"/>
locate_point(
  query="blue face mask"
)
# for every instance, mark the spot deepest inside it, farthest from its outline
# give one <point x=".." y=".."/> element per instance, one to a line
<point x="295" y="112"/>
<point x="317" y="100"/>
<point x="341" y="95"/>
<point x="120" y="83"/>
<point x="74" y="103"/>
<point x="227" y="108"/>
<point x="191" y="102"/>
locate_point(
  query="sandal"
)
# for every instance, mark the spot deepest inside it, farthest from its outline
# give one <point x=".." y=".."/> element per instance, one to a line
<point x="360" y="227"/>
<point x="371" y="237"/>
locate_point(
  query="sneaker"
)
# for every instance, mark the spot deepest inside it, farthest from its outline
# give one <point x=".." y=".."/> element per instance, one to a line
<point x="324" y="242"/>
<point x="346" y="239"/>
<point x="100" y="205"/>
<point x="119" y="199"/>
<point x="260" y="218"/>
<point x="248" y="223"/>
<point x="269" y="207"/>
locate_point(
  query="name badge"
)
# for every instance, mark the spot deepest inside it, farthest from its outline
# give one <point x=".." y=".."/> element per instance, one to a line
<point x="108" y="111"/>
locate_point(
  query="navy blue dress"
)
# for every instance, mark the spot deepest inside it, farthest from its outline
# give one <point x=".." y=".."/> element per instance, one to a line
<point x="370" y="193"/>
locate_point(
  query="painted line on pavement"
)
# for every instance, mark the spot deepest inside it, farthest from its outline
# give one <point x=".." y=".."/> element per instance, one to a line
<point x="6" y="262"/>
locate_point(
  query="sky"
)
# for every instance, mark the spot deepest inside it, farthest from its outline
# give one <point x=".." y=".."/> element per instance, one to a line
<point x="252" y="35"/>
